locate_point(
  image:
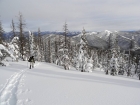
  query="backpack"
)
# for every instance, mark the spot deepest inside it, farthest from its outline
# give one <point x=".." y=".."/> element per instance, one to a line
<point x="29" y="59"/>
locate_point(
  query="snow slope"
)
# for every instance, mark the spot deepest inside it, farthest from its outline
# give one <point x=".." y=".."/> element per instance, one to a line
<point x="49" y="84"/>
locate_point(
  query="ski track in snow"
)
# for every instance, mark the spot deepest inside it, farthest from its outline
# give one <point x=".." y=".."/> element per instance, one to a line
<point x="8" y="94"/>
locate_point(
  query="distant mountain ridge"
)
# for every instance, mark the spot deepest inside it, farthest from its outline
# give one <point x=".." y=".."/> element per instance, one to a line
<point x="124" y="37"/>
<point x="73" y="33"/>
<point x="101" y="39"/>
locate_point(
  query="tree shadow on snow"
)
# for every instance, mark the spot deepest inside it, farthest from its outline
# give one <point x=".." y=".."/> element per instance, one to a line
<point x="81" y="77"/>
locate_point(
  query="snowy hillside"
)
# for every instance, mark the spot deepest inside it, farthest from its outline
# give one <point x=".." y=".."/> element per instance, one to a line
<point x="102" y="38"/>
<point x="49" y="84"/>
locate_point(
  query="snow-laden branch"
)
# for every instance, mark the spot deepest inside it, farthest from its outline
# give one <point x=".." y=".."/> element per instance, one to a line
<point x="6" y="50"/>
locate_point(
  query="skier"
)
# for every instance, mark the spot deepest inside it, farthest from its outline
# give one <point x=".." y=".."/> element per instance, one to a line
<point x="32" y="61"/>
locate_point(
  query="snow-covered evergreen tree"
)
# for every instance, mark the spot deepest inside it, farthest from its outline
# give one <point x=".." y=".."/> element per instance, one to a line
<point x="33" y="48"/>
<point x="89" y="65"/>
<point x="133" y="68"/>
<point x="114" y="65"/>
<point x="31" y="43"/>
<point x="121" y="68"/>
<point x="1" y="33"/>
<point x="5" y="53"/>
<point x="22" y="38"/>
<point x="81" y="58"/>
<point x="13" y="47"/>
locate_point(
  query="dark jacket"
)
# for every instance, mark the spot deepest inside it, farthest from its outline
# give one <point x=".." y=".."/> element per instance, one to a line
<point x="31" y="59"/>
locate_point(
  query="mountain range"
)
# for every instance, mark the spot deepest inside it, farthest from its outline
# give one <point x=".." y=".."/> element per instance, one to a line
<point x="96" y="39"/>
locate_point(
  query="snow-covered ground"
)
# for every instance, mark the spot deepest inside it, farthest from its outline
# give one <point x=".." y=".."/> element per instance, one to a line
<point x="49" y="84"/>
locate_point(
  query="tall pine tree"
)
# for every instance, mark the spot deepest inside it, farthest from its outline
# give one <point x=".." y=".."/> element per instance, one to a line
<point x="13" y="28"/>
<point x="22" y="38"/>
<point x="1" y="33"/>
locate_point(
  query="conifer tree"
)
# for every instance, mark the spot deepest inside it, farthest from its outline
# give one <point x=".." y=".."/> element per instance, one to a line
<point x="65" y="34"/>
<point x="31" y="43"/>
<point x="49" y="49"/>
<point x="1" y="33"/>
<point x="13" y="28"/>
<point x="22" y="38"/>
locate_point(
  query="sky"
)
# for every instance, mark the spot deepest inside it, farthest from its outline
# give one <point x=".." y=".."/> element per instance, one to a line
<point x="51" y="15"/>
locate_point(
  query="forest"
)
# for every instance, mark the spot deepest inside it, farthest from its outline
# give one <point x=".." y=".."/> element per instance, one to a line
<point x="84" y="52"/>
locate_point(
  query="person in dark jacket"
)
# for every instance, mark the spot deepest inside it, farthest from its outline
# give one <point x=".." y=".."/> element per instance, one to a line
<point x="32" y="61"/>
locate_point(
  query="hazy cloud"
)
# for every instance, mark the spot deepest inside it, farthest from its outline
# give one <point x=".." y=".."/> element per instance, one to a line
<point x="94" y="15"/>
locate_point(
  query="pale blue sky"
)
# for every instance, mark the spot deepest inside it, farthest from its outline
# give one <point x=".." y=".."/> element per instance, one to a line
<point x="94" y="15"/>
